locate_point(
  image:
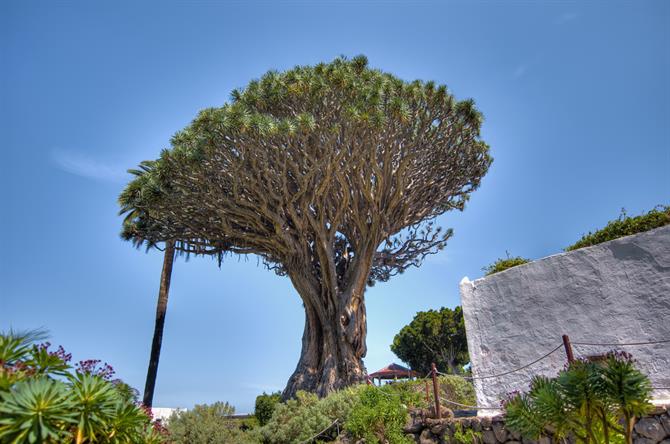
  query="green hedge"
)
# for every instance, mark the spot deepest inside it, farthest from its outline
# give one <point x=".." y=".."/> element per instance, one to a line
<point x="625" y="226"/>
<point x="504" y="264"/>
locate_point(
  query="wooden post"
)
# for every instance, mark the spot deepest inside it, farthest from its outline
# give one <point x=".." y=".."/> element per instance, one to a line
<point x="436" y="391"/>
<point x="568" y="349"/>
<point x="427" y="393"/>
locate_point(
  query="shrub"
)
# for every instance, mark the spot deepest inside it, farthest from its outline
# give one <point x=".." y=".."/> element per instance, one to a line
<point x="378" y="417"/>
<point x="433" y="336"/>
<point x="503" y="264"/>
<point x="452" y="388"/>
<point x="43" y="399"/>
<point x="595" y="402"/>
<point x="265" y="405"/>
<point x="207" y="424"/>
<point x="300" y="419"/>
<point x="625" y="226"/>
<point x="464" y="435"/>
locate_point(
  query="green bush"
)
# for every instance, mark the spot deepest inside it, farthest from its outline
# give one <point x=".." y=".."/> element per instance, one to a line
<point x="595" y="402"/>
<point x="307" y="416"/>
<point x="44" y="400"/>
<point x="265" y="405"/>
<point x="463" y="435"/>
<point x="302" y="418"/>
<point x="504" y="264"/>
<point x="378" y="417"/>
<point x="625" y="226"/>
<point x="434" y="336"/>
<point x="210" y="424"/>
<point x="452" y="388"/>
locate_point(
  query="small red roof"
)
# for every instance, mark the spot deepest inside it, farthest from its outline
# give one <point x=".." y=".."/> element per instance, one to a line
<point x="392" y="371"/>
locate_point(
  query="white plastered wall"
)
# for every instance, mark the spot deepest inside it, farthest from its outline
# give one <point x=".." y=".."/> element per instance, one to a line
<point x="614" y="292"/>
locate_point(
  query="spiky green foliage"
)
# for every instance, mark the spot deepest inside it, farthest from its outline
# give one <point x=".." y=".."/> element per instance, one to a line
<point x="36" y="410"/>
<point x="42" y="400"/>
<point x="625" y="226"/>
<point x="434" y="336"/>
<point x="337" y="142"/>
<point x="588" y="400"/>
<point x="96" y="402"/>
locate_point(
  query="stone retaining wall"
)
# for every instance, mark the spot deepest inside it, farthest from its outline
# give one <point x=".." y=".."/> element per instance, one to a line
<point x="652" y="429"/>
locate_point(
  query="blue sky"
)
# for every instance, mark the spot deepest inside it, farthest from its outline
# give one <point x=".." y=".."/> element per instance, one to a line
<point x="576" y="98"/>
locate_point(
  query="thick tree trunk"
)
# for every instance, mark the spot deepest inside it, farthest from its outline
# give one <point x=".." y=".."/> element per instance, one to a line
<point x="333" y="345"/>
<point x="161" y="309"/>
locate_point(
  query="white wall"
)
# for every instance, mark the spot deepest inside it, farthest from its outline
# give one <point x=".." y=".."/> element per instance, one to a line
<point x="614" y="292"/>
<point x="163" y="413"/>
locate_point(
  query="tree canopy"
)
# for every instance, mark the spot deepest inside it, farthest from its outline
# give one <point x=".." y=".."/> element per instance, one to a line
<point x="434" y="336"/>
<point x="333" y="175"/>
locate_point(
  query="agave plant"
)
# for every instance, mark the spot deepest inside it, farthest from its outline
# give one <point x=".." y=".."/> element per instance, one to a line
<point x="627" y="388"/>
<point x="588" y="400"/>
<point x="15" y="346"/>
<point x="36" y="411"/>
<point x="129" y="424"/>
<point x="15" y="349"/>
<point x="95" y="403"/>
<point x="44" y="400"/>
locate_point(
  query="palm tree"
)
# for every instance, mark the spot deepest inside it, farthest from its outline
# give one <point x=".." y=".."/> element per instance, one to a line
<point x="127" y="201"/>
<point x="161" y="309"/>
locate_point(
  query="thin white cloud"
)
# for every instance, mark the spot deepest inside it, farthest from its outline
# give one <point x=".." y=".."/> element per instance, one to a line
<point x="81" y="165"/>
<point x="565" y="18"/>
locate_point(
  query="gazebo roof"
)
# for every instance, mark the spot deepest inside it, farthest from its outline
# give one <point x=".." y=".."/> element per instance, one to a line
<point x="392" y="371"/>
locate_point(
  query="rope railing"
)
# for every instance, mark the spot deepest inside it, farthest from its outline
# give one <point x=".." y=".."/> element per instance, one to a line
<point x="320" y="433"/>
<point x="472" y="378"/>
<point x="622" y="344"/>
<point x="568" y="349"/>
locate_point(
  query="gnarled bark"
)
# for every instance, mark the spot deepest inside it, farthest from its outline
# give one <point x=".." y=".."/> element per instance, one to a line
<point x="333" y="346"/>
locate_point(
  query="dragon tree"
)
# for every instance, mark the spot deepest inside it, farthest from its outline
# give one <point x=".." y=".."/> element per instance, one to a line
<point x="333" y="175"/>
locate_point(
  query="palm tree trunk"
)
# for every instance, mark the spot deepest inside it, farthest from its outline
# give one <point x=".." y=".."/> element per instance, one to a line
<point x="161" y="309"/>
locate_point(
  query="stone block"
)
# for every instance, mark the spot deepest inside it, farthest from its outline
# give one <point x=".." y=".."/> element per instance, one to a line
<point x="665" y="422"/>
<point x="439" y="428"/>
<point x="650" y="428"/>
<point x="499" y="431"/>
<point x="476" y="425"/>
<point x="489" y="437"/>
<point x="427" y="437"/>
